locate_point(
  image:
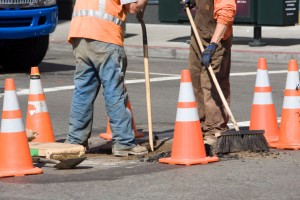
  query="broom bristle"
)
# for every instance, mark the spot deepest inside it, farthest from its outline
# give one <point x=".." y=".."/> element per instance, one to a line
<point x="229" y="143"/>
<point x="236" y="141"/>
<point x="255" y="142"/>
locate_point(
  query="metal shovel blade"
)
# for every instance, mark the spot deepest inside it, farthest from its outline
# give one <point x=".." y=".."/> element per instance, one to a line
<point x="69" y="163"/>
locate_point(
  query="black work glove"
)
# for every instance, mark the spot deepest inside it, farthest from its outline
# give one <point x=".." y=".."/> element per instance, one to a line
<point x="188" y="3"/>
<point x="208" y="53"/>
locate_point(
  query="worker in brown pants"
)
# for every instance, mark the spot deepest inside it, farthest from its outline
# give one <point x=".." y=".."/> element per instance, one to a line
<point x="213" y="19"/>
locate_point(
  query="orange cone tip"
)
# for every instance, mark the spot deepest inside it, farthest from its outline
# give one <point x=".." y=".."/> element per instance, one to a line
<point x="35" y="71"/>
<point x="9" y="84"/>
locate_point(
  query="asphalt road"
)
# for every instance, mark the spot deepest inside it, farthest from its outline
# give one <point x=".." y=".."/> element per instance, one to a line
<point x="273" y="175"/>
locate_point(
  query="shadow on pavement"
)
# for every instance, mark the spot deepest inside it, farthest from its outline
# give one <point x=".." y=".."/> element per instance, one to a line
<point x="51" y="67"/>
<point x="269" y="41"/>
<point x="128" y="35"/>
<point x="44" y="67"/>
<point x="246" y="40"/>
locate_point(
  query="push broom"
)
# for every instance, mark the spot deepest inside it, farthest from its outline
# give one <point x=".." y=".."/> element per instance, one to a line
<point x="232" y="140"/>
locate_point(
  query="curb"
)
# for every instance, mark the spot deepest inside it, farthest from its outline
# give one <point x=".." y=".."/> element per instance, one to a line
<point x="178" y="53"/>
<point x="271" y="56"/>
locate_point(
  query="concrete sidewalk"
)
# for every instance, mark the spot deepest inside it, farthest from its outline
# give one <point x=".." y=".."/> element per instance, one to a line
<point x="170" y="41"/>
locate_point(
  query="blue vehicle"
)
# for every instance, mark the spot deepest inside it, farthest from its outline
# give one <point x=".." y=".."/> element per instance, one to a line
<point x="25" y="26"/>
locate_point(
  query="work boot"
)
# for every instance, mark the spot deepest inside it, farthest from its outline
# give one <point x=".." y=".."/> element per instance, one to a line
<point x="210" y="141"/>
<point x="85" y="145"/>
<point x="136" y="150"/>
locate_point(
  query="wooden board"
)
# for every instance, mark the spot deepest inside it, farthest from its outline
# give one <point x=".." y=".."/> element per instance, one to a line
<point x="56" y="150"/>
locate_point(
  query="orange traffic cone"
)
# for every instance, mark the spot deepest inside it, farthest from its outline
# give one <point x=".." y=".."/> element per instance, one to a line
<point x="289" y="131"/>
<point x="108" y="134"/>
<point x="263" y="115"/>
<point x="38" y="118"/>
<point x="188" y="145"/>
<point x="15" y="158"/>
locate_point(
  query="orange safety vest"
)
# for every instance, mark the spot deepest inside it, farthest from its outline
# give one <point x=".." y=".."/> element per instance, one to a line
<point x="98" y="20"/>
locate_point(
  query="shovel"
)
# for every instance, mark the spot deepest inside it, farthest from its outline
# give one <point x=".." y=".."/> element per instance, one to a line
<point x="147" y="75"/>
<point x="69" y="163"/>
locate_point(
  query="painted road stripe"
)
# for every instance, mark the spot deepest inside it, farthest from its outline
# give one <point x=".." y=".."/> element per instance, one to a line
<point x="247" y="123"/>
<point x="71" y="87"/>
<point x="152" y="73"/>
<point x="173" y="77"/>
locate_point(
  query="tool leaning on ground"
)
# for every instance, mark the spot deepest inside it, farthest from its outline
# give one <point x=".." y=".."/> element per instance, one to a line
<point x="63" y="155"/>
<point x="232" y="140"/>
<point x="68" y="163"/>
<point x="140" y="16"/>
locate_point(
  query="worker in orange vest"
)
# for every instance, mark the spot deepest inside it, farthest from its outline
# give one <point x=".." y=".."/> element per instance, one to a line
<point x="97" y="38"/>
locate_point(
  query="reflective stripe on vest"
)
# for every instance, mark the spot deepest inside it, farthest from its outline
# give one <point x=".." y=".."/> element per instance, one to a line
<point x="99" y="14"/>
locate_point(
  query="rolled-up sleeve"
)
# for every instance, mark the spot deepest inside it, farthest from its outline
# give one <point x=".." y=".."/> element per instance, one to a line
<point x="224" y="11"/>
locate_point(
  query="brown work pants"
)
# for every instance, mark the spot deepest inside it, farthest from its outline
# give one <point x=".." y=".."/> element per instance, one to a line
<point x="213" y="115"/>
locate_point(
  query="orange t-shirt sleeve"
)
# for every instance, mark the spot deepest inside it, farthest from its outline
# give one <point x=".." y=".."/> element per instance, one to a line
<point x="224" y="11"/>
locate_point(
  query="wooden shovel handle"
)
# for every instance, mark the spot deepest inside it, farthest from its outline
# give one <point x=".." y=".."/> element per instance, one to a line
<point x="147" y="80"/>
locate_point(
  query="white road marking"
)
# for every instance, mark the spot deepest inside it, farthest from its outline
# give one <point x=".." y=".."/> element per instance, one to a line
<point x="170" y="77"/>
<point x="21" y="92"/>
<point x="246" y="123"/>
<point x="254" y="73"/>
<point x="152" y="73"/>
<point x="152" y="80"/>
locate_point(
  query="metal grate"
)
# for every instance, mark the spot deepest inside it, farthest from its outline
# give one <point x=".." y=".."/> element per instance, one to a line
<point x="15" y="22"/>
<point x="18" y="2"/>
<point x="4" y="4"/>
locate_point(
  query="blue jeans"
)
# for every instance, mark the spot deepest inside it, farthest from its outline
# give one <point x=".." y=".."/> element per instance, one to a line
<point x="99" y="63"/>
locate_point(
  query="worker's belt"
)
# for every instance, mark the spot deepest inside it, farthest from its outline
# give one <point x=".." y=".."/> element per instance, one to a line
<point x="98" y="14"/>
